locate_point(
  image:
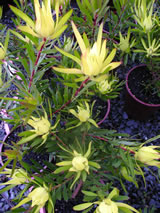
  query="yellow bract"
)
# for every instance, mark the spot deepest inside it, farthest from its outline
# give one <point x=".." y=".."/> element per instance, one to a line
<point x="44" y="24"/>
<point x="94" y="61"/>
<point x="148" y="155"/>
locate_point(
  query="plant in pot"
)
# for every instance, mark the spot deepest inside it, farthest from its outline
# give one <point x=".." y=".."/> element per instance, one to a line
<point x="56" y="113"/>
<point x="143" y="81"/>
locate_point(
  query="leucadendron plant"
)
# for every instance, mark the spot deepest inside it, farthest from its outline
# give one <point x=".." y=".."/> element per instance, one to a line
<point x="142" y="40"/>
<point x="55" y="79"/>
<point x="148" y="48"/>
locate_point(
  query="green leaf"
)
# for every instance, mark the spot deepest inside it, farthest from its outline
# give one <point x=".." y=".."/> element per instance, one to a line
<point x="37" y="141"/>
<point x="88" y="193"/>
<point x="27" y="139"/>
<point x="74" y="58"/>
<point x="82" y="206"/>
<point x="65" y="194"/>
<point x="5" y="164"/>
<point x="59" y="193"/>
<point x="94" y="164"/>
<point x="6" y="41"/>
<point x="61" y="169"/>
<point x="64" y="19"/>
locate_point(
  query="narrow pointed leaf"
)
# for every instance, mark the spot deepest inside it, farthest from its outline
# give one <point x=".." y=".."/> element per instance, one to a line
<point x="79" y="38"/>
<point x="74" y="58"/>
<point x="82" y="206"/>
<point x="22" y="16"/>
<point x="67" y="70"/>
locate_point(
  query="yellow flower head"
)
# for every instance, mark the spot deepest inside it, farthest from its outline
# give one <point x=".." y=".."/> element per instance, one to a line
<point x="107" y="205"/>
<point x="148" y="155"/>
<point x="83" y="114"/>
<point x="41" y="128"/>
<point x="94" y="62"/>
<point x="79" y="163"/>
<point x="39" y="197"/>
<point x="44" y="25"/>
<point x="41" y="125"/>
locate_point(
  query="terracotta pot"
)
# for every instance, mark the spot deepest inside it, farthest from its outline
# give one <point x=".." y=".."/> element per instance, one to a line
<point x="134" y="107"/>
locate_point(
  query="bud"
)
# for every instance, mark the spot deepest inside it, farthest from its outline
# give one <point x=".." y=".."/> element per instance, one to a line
<point x="148" y="23"/>
<point x="107" y="205"/>
<point x="79" y="163"/>
<point x="39" y="196"/>
<point x="68" y="44"/>
<point x="41" y="125"/>
<point x="104" y="86"/>
<point x="148" y="155"/>
<point x="124" y="43"/>
<point x="83" y="114"/>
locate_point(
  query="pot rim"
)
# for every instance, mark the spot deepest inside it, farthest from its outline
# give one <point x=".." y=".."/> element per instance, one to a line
<point x="107" y="113"/>
<point x="131" y="94"/>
